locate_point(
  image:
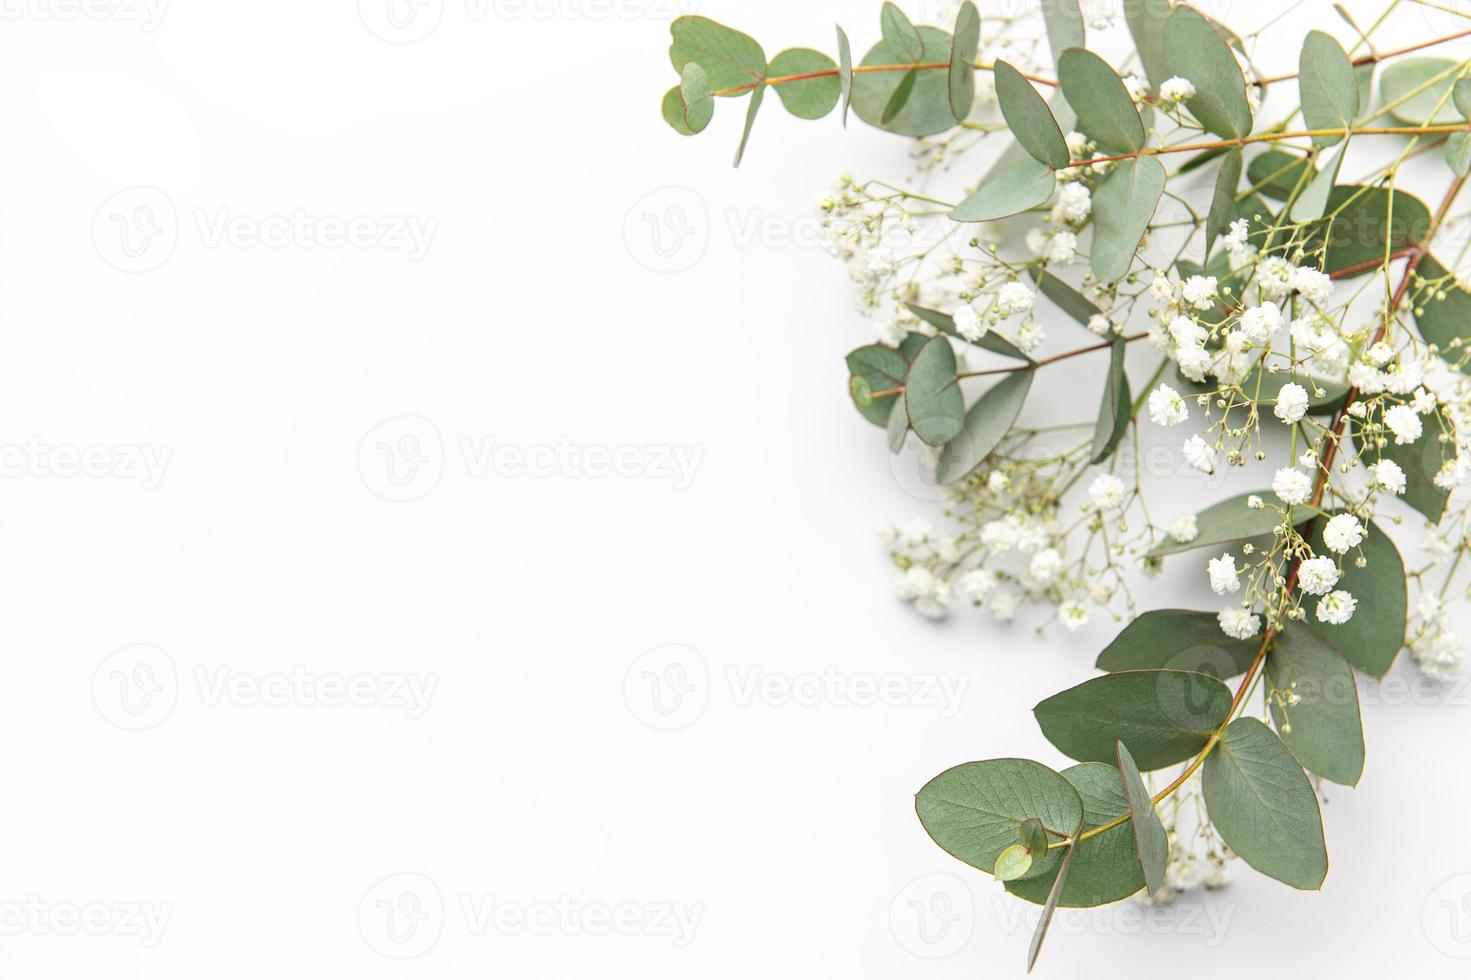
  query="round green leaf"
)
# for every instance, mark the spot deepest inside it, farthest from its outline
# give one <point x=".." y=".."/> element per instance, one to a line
<point x="932" y="395"/>
<point x="1034" y="837"/>
<point x="1163" y="716"/>
<point x="1403" y="77"/>
<point x="1262" y="804"/>
<point x="1197" y="51"/>
<point x="1123" y="206"/>
<point x="1105" y="867"/>
<point x="1097" y="94"/>
<point x="986" y="424"/>
<point x="1178" y="639"/>
<point x="808" y="98"/>
<point x="729" y="58"/>
<point x="1322" y="728"/>
<point x="1276" y="173"/>
<point x="1330" y="95"/>
<point x="927" y="109"/>
<point x="1013" y="863"/>
<point x="975" y="810"/>
<point x="879" y="368"/>
<point x="1029" y="119"/>
<point x="1370" y="222"/>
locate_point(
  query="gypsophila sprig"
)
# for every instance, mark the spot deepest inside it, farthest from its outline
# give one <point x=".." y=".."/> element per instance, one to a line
<point x="1302" y="332"/>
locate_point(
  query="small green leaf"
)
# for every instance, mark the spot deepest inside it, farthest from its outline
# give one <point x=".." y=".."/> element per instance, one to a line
<point x="1315" y="704"/>
<point x="880" y="368"/>
<point x="694" y="94"/>
<point x="986" y="424"/>
<point x="1013" y="863"/>
<point x="1262" y="804"/>
<point x="1045" y="920"/>
<point x="1097" y="94"/>
<point x="1373" y="637"/>
<point x="1114" y="413"/>
<point x="898" y="426"/>
<point x="1064" y="26"/>
<point x="1178" y="639"/>
<point x="901" y="95"/>
<point x="990" y="340"/>
<point x="1443" y="319"/>
<point x="730" y="59"/>
<point x="1330" y="96"/>
<point x="1147" y="19"/>
<point x="807" y="98"/>
<point x="1105" y="867"/>
<point x="1028" y="117"/>
<point x="1123" y="206"/>
<point x="845" y="71"/>
<point x="1371" y="222"/>
<point x="1150" y="841"/>
<point x="1195" y="50"/>
<point x="1458" y="153"/>
<point x="927" y="108"/>
<point x="1223" y="202"/>
<point x="861" y="391"/>
<point x="900" y="34"/>
<point x="676" y="113"/>
<point x="1225" y="523"/>
<point x="1461" y="96"/>
<point x="1403" y="77"/>
<point x="1002" y="193"/>
<point x="975" y="810"/>
<point x="963" y="48"/>
<point x="1276" y="173"/>
<point x="1066" y="298"/>
<point x="1163" y="716"/>
<point x="1034" y="837"/>
<point x="1313" y="201"/>
<point x="756" y="96"/>
<point x="932" y="395"/>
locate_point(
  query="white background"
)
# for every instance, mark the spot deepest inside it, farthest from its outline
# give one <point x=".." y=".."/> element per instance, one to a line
<point x="293" y="393"/>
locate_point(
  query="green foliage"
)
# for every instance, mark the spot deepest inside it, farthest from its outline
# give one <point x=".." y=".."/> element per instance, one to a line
<point x="1443" y="314"/>
<point x="1030" y="120"/>
<point x="845" y="72"/>
<point x="1225" y="523"/>
<point x="1146" y="20"/>
<point x="1115" y="412"/>
<point x="1373" y="637"/>
<point x="1197" y="51"/>
<point x="1013" y="862"/>
<point x="1004" y="192"/>
<point x="1279" y="173"/>
<point x="1330" y="97"/>
<point x="975" y="810"/>
<point x="1315" y="704"/>
<point x="1064" y="26"/>
<point x="1163" y="716"/>
<point x="1123" y="206"/>
<point x="729" y="58"/>
<point x="1066" y="298"/>
<point x="880" y="368"/>
<point x="991" y="341"/>
<point x="1150" y="842"/>
<point x="1097" y="95"/>
<point x="808" y="98"/>
<point x="1223" y="200"/>
<point x="1105" y="867"/>
<point x="926" y="108"/>
<point x="986" y="424"/>
<point x="1431" y="80"/>
<point x="932" y="396"/>
<point x="1420" y="461"/>
<point x="963" y="47"/>
<point x="1177" y="639"/>
<point x="1262" y="804"/>
<point x="1313" y="201"/>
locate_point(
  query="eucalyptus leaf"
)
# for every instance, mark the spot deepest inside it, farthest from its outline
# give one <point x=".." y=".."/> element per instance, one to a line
<point x="1064" y="26"/>
<point x="1030" y="120"/>
<point x="1421" y="460"/>
<point x="1196" y="50"/>
<point x="900" y="34"/>
<point x="932" y="396"/>
<point x="1066" y="298"/>
<point x="963" y="47"/>
<point x="756" y="96"/>
<point x="927" y="107"/>
<point x="1163" y="716"/>
<point x="1045" y="920"/>
<point x="1315" y="704"/>
<point x="1002" y="193"/>
<point x="1225" y="523"/>
<point x="880" y="368"/>
<point x="1223" y="201"/>
<point x="1034" y="835"/>
<point x="1013" y="863"/>
<point x="1370" y="222"/>
<point x="1150" y="841"/>
<point x="900" y="98"/>
<point x="1178" y="639"/>
<point x="1105" y="867"/>
<point x="990" y="340"/>
<point x="1443" y="314"/>
<point x="1330" y="96"/>
<point x="1434" y="105"/>
<point x="1123" y="206"/>
<point x="1114" y="413"/>
<point x="807" y="98"/>
<point x="1458" y="153"/>
<point x="730" y="59"/>
<point x="1278" y="173"/>
<point x="678" y="115"/>
<point x="1097" y="94"/>
<point x="1146" y="20"/>
<point x="898" y="426"/>
<point x="845" y="71"/>
<point x="1313" y="201"/>
<point x="986" y="424"/>
<point x="974" y="811"/>
<point x="1373" y="637"/>
<point x="1263" y="806"/>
